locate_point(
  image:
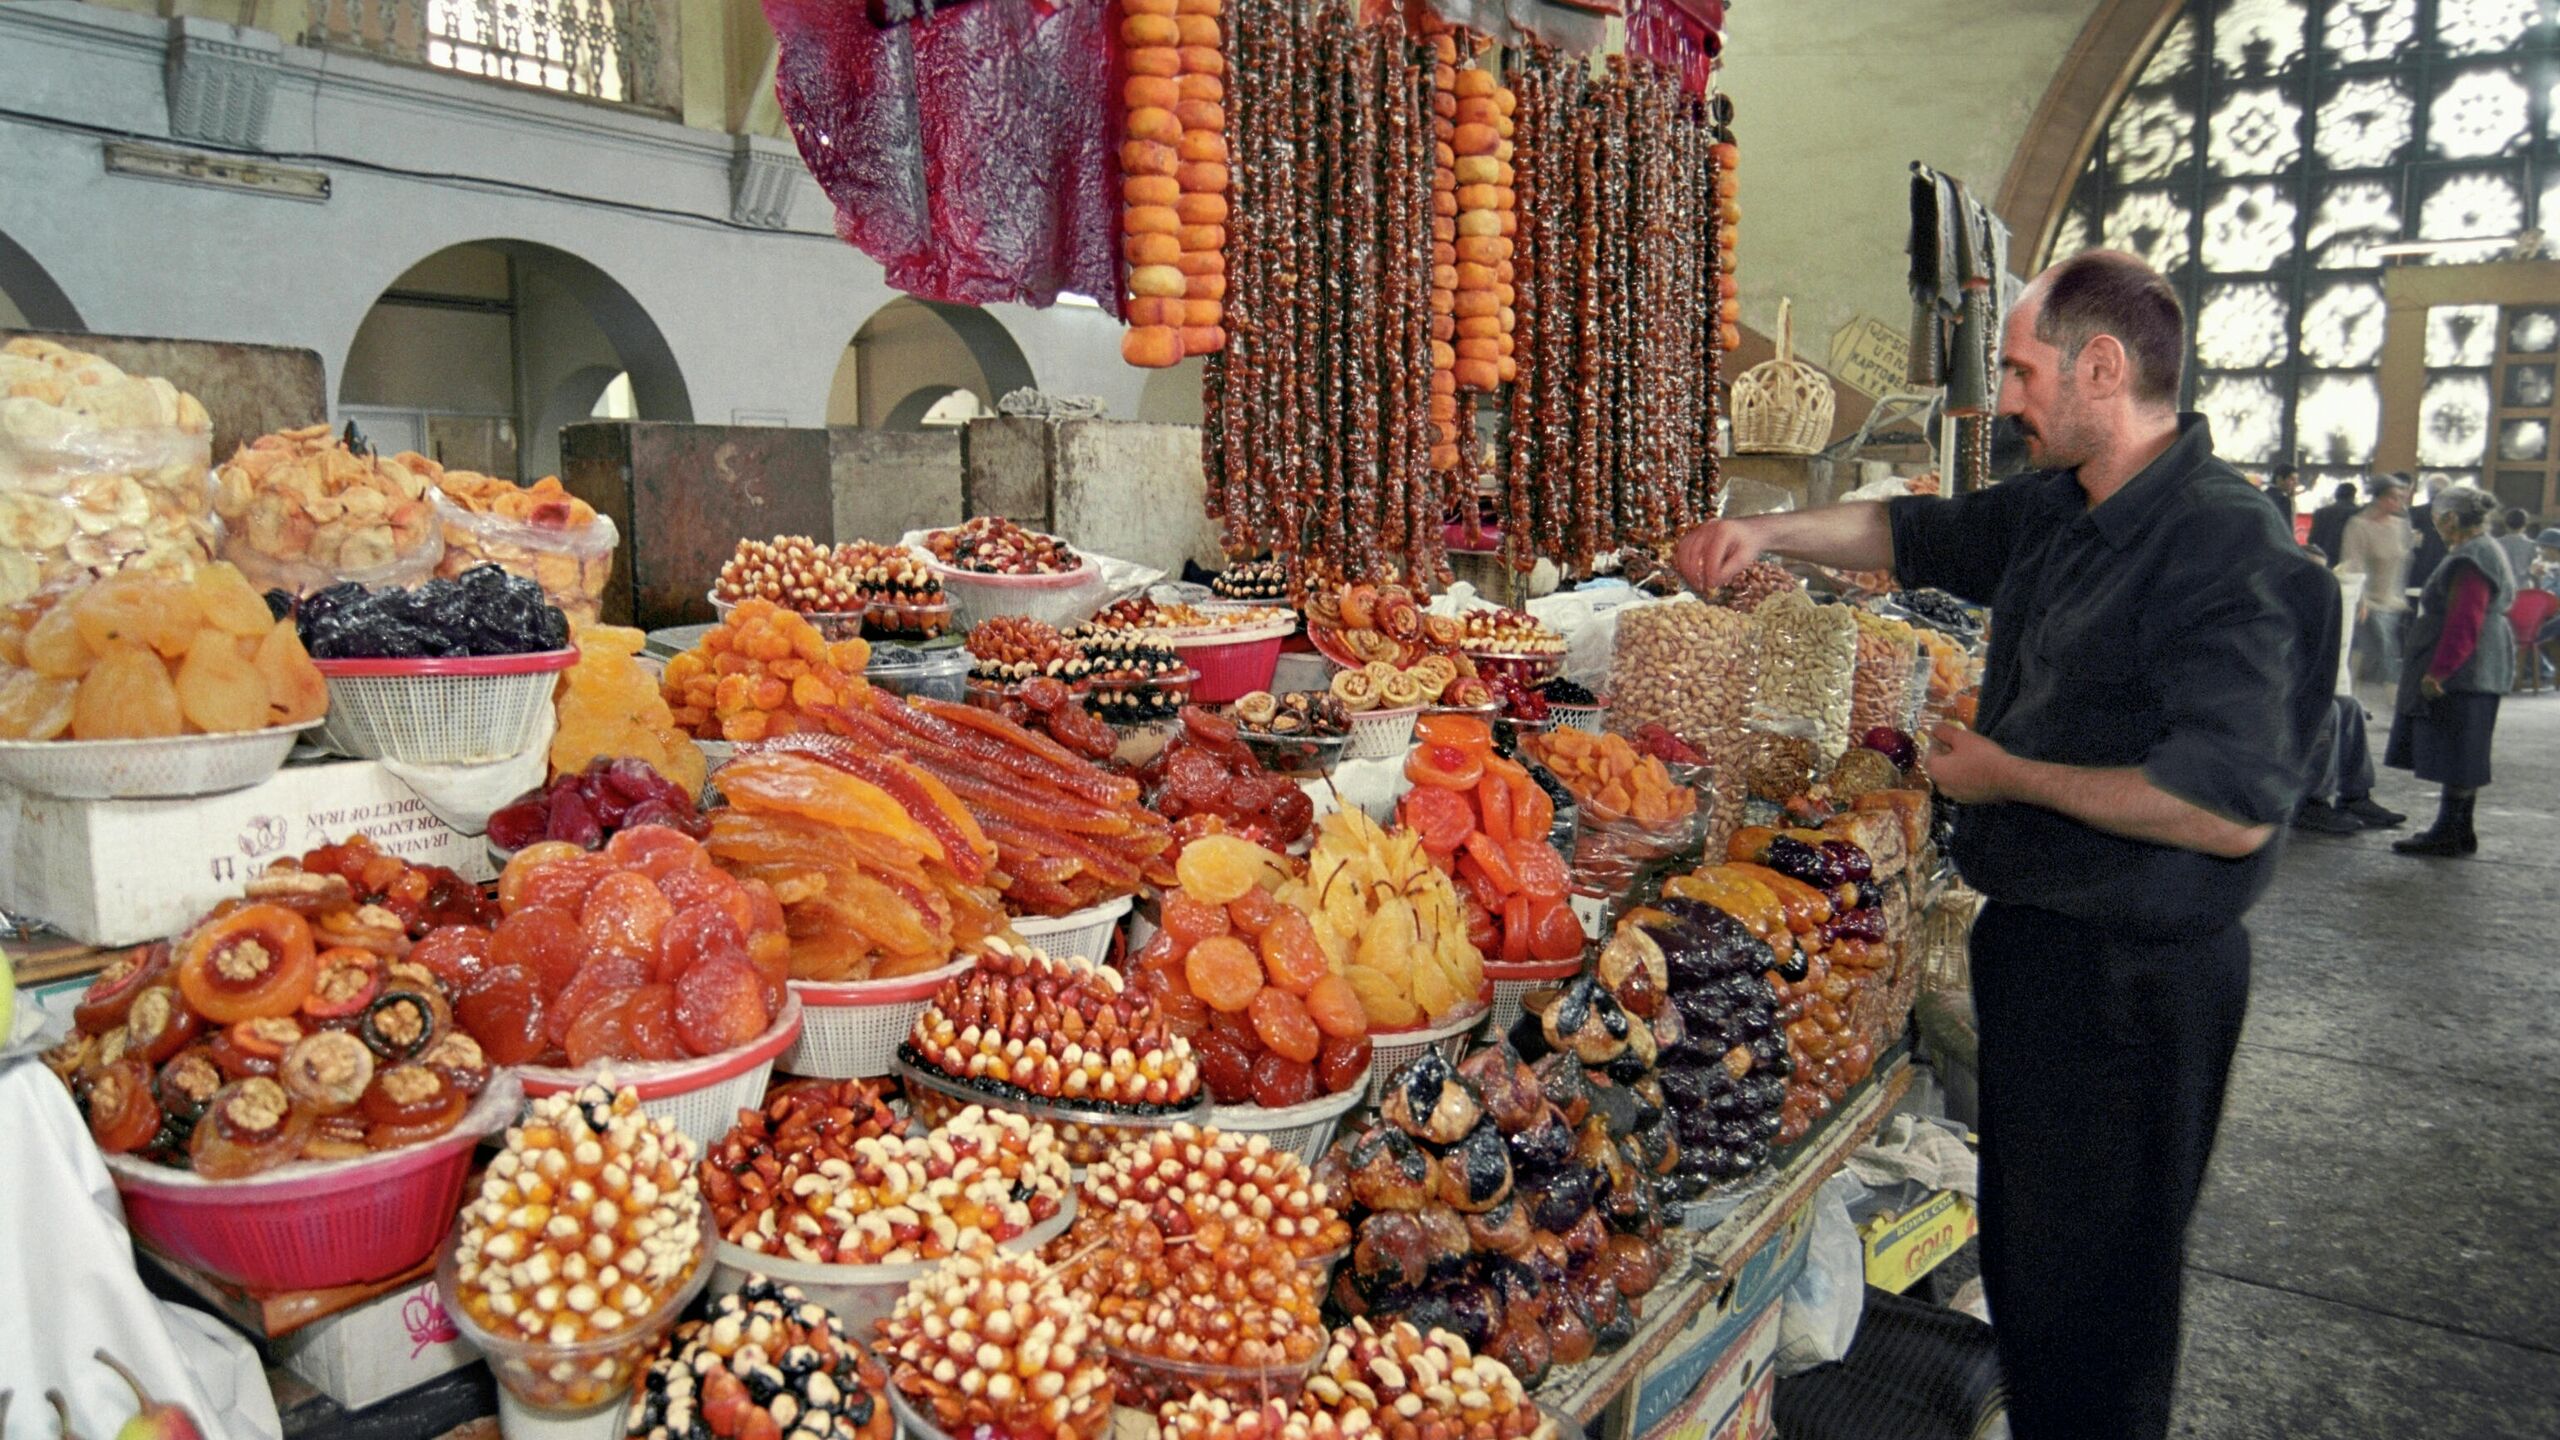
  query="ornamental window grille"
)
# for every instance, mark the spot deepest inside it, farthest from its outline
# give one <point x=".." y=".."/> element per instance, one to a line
<point x="2265" y="149"/>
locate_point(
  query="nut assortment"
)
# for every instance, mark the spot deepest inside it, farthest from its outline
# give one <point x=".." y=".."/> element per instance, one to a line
<point x="1808" y="657"/>
<point x="588" y="1221"/>
<point x="145" y="653"/>
<point x="1208" y="1249"/>
<point x="1140" y="612"/>
<point x="301" y="511"/>
<point x="821" y="1175"/>
<point x="996" y="1342"/>
<point x="992" y="545"/>
<point x="1694" y="671"/>
<point x="1880" y="688"/>
<point x="1022" y="1025"/>
<point x="539" y="531"/>
<point x="763" y="1363"/>
<point x="99" y="470"/>
<point x="1753" y="584"/>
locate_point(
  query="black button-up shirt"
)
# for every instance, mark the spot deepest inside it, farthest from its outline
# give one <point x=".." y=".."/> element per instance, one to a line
<point x="2176" y="627"/>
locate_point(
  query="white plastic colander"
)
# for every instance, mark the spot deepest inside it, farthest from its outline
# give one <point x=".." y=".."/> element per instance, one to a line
<point x="1579" y="717"/>
<point x="1383" y="734"/>
<point x="1085" y="932"/>
<point x="1302" y="1130"/>
<point x="163" y="767"/>
<point x="442" y="711"/>
<point x="852" y="1029"/>
<point x="1392" y="1050"/>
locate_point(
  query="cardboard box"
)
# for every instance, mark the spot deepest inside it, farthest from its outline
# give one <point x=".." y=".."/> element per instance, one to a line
<point x="1902" y="1248"/>
<point x="1737" y="1397"/>
<point x="1703" y="1383"/>
<point x="380" y="1348"/>
<point x="119" y="872"/>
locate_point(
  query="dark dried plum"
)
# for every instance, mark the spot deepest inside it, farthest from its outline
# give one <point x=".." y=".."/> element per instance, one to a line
<point x="483" y="611"/>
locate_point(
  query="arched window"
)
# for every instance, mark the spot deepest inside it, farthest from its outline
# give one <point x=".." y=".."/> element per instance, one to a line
<point x="2263" y="152"/>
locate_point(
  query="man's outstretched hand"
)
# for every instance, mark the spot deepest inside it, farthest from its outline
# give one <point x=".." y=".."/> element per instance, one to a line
<point x="1967" y="768"/>
<point x="1711" y="554"/>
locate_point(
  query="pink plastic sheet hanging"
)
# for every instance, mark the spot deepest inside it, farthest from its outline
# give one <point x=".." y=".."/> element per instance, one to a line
<point x="1686" y="35"/>
<point x="968" y="151"/>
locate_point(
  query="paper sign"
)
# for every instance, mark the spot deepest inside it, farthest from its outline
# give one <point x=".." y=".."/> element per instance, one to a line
<point x="1871" y="356"/>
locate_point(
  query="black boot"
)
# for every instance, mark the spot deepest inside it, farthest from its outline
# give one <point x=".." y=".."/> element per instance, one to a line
<point x="2470" y="838"/>
<point x="2448" y="835"/>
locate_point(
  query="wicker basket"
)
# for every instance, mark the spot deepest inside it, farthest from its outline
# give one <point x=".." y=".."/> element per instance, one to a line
<point x="1782" y="406"/>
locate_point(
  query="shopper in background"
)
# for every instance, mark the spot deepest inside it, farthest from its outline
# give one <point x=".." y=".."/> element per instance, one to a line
<point x="2422" y="523"/>
<point x="2461" y="660"/>
<point x="2162" y="657"/>
<point x="2284" y="486"/>
<point x="2329" y="522"/>
<point x="2514" y="533"/>
<point x="2546" y="576"/>
<point x="2341" y="798"/>
<point x="2376" y="545"/>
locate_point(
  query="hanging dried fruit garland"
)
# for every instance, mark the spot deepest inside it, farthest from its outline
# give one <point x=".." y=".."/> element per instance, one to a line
<point x="1410" y="236"/>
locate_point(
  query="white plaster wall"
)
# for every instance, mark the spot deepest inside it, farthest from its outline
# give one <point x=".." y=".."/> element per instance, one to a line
<point x="757" y="321"/>
<point x="1833" y="99"/>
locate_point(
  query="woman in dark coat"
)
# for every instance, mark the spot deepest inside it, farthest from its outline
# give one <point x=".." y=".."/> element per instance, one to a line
<point x="2460" y="657"/>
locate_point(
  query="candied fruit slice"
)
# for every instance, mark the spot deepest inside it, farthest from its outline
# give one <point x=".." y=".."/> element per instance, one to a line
<point x="720" y="1005"/>
<point x="126" y="696"/>
<point x="1280" y="1018"/>
<point x="523" y="863"/>
<point x="1222" y="971"/>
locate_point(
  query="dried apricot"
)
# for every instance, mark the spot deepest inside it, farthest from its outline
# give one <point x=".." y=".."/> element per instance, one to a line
<point x="624" y="915"/>
<point x="598" y="982"/>
<point x="54" y="645"/>
<point x="296" y="693"/>
<point x="1223" y="972"/>
<point x="1189" y="921"/>
<point x="522" y="864"/>
<point x="1335" y="1007"/>
<point x="1291" y="957"/>
<point x="1279" y="1082"/>
<point x="35" y="706"/>
<point x="1251" y="911"/>
<point x="651" y="850"/>
<point x="564" y="882"/>
<point x="126" y="695"/>
<point x="1217" y="869"/>
<point x="218" y="691"/>
<point x="650" y="1018"/>
<point x="1280" y="1018"/>
<point x="695" y="936"/>
<point x="601" y="1033"/>
<point x="720" y="1006"/>
<point x="227" y="601"/>
<point x="502" y="1007"/>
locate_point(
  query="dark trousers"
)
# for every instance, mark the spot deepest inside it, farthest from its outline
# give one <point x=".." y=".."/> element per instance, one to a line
<point x="2102" y="1061"/>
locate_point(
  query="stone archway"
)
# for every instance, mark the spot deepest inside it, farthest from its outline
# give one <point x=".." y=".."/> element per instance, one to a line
<point x="32" y="293"/>
<point x="910" y="353"/>
<point x="2036" y="189"/>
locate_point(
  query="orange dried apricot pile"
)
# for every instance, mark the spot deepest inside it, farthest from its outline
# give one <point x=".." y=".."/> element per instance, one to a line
<point x="760" y="672"/>
<point x="139" y="655"/>
<point x="1610" y="779"/>
<point x="609" y="708"/>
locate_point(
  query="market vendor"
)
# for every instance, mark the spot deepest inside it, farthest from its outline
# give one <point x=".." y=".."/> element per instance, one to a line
<point x="2162" y="657"/>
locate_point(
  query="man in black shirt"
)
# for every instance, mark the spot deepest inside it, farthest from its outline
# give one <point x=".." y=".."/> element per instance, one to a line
<point x="2162" y="654"/>
<point x="2329" y="522"/>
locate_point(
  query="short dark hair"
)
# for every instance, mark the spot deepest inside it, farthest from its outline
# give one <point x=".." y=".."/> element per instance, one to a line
<point x="2516" y="519"/>
<point x="2346" y="491"/>
<point x="2109" y="292"/>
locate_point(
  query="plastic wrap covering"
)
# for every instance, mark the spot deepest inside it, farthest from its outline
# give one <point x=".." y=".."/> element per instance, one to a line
<point x="1693" y="669"/>
<point x="98" y="470"/>
<point x="968" y="151"/>
<point x="1808" y="659"/>
<point x="1880" y="693"/>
